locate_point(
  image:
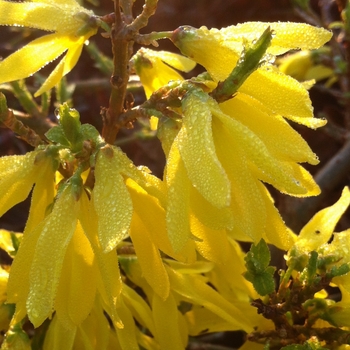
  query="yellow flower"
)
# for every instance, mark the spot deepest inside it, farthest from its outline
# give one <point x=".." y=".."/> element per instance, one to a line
<point x="72" y="26"/>
<point x="302" y="66"/>
<point x="216" y="166"/>
<point x="219" y="51"/>
<point x="154" y="70"/>
<point x="18" y="174"/>
<point x="220" y="154"/>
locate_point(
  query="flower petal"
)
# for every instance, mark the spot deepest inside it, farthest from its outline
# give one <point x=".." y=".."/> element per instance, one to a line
<point x="66" y="64"/>
<point x="287" y="35"/>
<point x="149" y="258"/>
<point x="270" y="170"/>
<point x="57" y="230"/>
<point x="58" y="337"/>
<point x="175" y="60"/>
<point x="197" y="150"/>
<point x="320" y="228"/>
<point x="76" y="293"/>
<point x="281" y="93"/>
<point x="32" y="57"/>
<point x="109" y="282"/>
<point x="46" y="16"/>
<point x="178" y="207"/>
<point x="278" y="136"/>
<point x="17" y="177"/>
<point x="245" y="197"/>
<point x="197" y="291"/>
<point x="111" y="200"/>
<point x="165" y="315"/>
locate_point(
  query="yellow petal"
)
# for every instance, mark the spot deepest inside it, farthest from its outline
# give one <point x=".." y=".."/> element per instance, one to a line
<point x="42" y="197"/>
<point x="207" y="47"/>
<point x="17" y="176"/>
<point x="127" y="335"/>
<point x="178" y="208"/>
<point x="111" y="200"/>
<point x="165" y="315"/>
<point x="109" y="281"/>
<point x="149" y="258"/>
<point x="246" y="196"/>
<point x="46" y="16"/>
<point x="278" y="136"/>
<point x="274" y="90"/>
<point x="273" y="172"/>
<point x="211" y="244"/>
<point x="175" y="60"/>
<point x="147" y="208"/>
<point x="276" y="231"/>
<point x="198" y="152"/>
<point x="287" y="35"/>
<point x="209" y="215"/>
<point x="58" y="337"/>
<point x="58" y="228"/>
<point x="139" y="307"/>
<point x="32" y="57"/>
<point x="66" y="64"/>
<point x="198" y="292"/>
<point x="76" y="293"/>
<point x="320" y="228"/>
<point x="94" y="332"/>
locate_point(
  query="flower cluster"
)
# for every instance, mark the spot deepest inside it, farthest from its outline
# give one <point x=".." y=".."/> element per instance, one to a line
<point x="101" y="229"/>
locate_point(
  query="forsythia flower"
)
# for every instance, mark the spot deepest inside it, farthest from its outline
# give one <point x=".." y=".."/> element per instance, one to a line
<point x="224" y="151"/>
<point x="303" y="66"/>
<point x="266" y="85"/>
<point x="154" y="70"/>
<point x="71" y="25"/>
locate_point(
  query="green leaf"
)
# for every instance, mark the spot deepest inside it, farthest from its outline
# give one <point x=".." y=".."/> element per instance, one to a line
<point x="258" y="258"/>
<point x="57" y="135"/>
<point x="264" y="283"/>
<point x="89" y="132"/>
<point x="258" y="272"/>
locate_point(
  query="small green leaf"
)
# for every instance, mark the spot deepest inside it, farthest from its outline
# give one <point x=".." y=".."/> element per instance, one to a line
<point x="264" y="283"/>
<point x="57" y="135"/>
<point x="258" y="258"/>
<point x="89" y="132"/>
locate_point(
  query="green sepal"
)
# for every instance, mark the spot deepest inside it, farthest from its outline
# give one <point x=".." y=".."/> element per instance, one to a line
<point x="312" y="265"/>
<point x="70" y="122"/>
<point x="249" y="61"/>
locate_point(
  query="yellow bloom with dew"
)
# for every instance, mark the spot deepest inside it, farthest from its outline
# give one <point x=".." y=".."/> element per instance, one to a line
<point x="221" y="155"/>
<point x="71" y="25"/>
<point x="228" y="150"/>
<point x="156" y="69"/>
<point x="266" y="85"/>
<point x="303" y="66"/>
